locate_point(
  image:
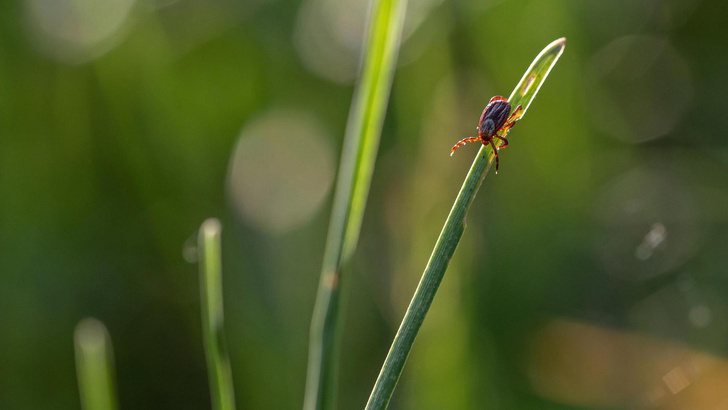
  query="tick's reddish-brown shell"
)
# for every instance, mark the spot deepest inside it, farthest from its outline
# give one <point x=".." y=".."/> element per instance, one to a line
<point x="494" y="116"/>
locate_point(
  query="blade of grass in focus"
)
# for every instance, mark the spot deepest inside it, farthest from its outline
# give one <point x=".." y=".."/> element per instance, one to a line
<point x="94" y="366"/>
<point x="355" y="172"/>
<point x="449" y="238"/>
<point x="218" y="363"/>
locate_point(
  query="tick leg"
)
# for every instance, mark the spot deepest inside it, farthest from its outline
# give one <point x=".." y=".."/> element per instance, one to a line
<point x="504" y="129"/>
<point x="517" y="114"/>
<point x="463" y="142"/>
<point x="495" y="152"/>
<point x="505" y="141"/>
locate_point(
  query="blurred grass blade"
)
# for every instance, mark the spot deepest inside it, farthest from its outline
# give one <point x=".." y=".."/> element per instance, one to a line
<point x="355" y="172"/>
<point x="218" y="363"/>
<point x="449" y="238"/>
<point x="94" y="366"/>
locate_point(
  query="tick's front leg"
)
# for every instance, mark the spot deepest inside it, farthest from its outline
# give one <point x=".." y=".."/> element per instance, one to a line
<point x="517" y="114"/>
<point x="463" y="142"/>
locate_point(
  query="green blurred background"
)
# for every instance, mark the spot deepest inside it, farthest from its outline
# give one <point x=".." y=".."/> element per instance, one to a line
<point x="592" y="273"/>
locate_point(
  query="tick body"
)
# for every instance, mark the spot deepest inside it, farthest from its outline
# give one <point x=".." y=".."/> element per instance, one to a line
<point x="496" y="119"/>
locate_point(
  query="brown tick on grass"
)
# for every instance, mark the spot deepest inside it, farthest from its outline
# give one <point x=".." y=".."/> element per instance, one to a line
<point x="494" y="120"/>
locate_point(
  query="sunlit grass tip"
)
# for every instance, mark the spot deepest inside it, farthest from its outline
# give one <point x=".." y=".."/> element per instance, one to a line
<point x="94" y="366"/>
<point x="213" y="323"/>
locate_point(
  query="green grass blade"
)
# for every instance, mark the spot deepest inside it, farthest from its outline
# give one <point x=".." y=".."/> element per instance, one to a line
<point x="94" y="366"/>
<point x="218" y="363"/>
<point x="355" y="172"/>
<point x="450" y="237"/>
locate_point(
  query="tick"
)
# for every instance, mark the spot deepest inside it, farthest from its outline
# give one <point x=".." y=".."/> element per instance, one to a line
<point x="494" y="120"/>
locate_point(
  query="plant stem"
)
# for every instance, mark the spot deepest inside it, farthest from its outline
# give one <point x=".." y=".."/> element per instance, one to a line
<point x="94" y="366"/>
<point x="355" y="172"/>
<point x="450" y="237"/>
<point x="218" y="363"/>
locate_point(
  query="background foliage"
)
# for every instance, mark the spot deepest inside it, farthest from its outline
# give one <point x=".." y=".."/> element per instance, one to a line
<point x="123" y="127"/>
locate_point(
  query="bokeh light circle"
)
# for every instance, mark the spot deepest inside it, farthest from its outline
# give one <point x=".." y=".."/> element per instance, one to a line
<point x="76" y="31"/>
<point x="329" y="34"/>
<point x="638" y="87"/>
<point x="647" y="225"/>
<point x="281" y="171"/>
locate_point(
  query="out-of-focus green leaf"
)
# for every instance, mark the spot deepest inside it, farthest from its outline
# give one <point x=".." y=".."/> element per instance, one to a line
<point x="355" y="173"/>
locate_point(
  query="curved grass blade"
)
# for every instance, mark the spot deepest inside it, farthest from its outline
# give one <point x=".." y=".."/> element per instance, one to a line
<point x="213" y="335"/>
<point x="94" y="366"/>
<point x="449" y="238"/>
<point x="355" y="173"/>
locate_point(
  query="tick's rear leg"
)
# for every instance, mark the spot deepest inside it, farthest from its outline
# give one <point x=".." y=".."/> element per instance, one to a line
<point x="505" y="141"/>
<point x="504" y="131"/>
<point x="495" y="152"/>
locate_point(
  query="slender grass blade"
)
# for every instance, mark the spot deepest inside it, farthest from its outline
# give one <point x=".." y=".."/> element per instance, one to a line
<point x="450" y="236"/>
<point x="218" y="362"/>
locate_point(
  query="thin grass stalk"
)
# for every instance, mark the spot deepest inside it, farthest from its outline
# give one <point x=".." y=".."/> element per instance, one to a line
<point x="450" y="236"/>
<point x="355" y="172"/>
<point x="94" y="366"/>
<point x="218" y="362"/>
